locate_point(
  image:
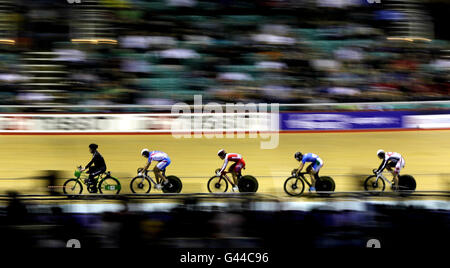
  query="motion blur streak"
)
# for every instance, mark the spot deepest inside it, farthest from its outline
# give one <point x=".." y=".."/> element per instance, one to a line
<point x="344" y="79"/>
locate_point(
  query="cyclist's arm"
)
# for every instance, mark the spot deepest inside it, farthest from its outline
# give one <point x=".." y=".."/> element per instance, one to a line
<point x="225" y="163"/>
<point x="300" y="167"/>
<point x="147" y="166"/>
<point x="90" y="163"/>
<point x="382" y="166"/>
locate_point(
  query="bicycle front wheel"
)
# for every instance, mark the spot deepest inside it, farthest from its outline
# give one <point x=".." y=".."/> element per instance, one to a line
<point x="294" y="186"/>
<point x="72" y="186"/>
<point x="109" y="185"/>
<point x="374" y="184"/>
<point x="140" y="185"/>
<point x="217" y="184"/>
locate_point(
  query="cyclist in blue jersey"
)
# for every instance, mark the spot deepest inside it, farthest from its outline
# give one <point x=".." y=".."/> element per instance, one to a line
<point x="160" y="168"/>
<point x="313" y="169"/>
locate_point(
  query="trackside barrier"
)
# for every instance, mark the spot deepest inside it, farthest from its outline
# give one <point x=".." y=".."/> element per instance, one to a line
<point x="301" y="117"/>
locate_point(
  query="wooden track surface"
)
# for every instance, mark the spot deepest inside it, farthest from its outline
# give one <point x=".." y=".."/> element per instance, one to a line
<point x="347" y="156"/>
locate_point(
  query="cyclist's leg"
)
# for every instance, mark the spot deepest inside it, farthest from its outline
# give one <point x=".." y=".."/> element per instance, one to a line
<point x="238" y="169"/>
<point x="314" y="172"/>
<point x="310" y="170"/>
<point x="159" y="170"/>
<point x="232" y="170"/>
<point x="94" y="172"/>
<point x="396" y="172"/>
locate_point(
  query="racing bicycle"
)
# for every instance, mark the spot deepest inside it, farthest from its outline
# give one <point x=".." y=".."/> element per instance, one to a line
<point x="377" y="182"/>
<point x="142" y="184"/>
<point x="245" y="184"/>
<point x="104" y="183"/>
<point x="295" y="185"/>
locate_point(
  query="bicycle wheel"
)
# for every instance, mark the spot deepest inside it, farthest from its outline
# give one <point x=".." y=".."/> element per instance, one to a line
<point x="371" y="184"/>
<point x="325" y="184"/>
<point x="174" y="186"/>
<point x="248" y="184"/>
<point x="109" y="185"/>
<point x="140" y="185"/>
<point x="72" y="186"/>
<point x="217" y="184"/>
<point x="407" y="183"/>
<point x="294" y="186"/>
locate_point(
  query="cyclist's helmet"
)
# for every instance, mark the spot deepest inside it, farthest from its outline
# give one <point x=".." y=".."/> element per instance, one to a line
<point x="298" y="156"/>
<point x="221" y="152"/>
<point x="93" y="146"/>
<point x="145" y="152"/>
<point x="381" y="154"/>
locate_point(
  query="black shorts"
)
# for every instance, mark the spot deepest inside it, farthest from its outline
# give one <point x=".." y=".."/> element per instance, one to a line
<point x="392" y="163"/>
<point x="95" y="171"/>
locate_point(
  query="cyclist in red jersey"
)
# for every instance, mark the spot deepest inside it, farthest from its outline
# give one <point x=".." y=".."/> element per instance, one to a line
<point x="235" y="168"/>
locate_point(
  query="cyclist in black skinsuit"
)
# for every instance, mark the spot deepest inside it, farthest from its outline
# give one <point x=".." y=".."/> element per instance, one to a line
<point x="99" y="164"/>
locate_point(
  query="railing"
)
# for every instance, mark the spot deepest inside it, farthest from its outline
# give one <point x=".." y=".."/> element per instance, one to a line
<point x="400" y="105"/>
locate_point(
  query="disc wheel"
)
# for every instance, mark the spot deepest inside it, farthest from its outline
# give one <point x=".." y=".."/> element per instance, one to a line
<point x="407" y="183"/>
<point x="109" y="185"/>
<point x="294" y="186"/>
<point x="325" y="184"/>
<point x="174" y="185"/>
<point x="140" y="185"/>
<point x="248" y="184"/>
<point x="371" y="184"/>
<point x="72" y="186"/>
<point x="217" y="184"/>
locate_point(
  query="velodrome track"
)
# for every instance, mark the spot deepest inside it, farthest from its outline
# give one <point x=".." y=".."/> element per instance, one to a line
<point x="348" y="157"/>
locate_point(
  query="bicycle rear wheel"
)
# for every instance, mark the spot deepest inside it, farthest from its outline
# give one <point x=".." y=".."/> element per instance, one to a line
<point x="325" y="184"/>
<point x="72" y="186"/>
<point x="174" y="186"/>
<point x="248" y="184"/>
<point x="407" y="183"/>
<point x="217" y="184"/>
<point x="109" y="185"/>
<point x="294" y="186"/>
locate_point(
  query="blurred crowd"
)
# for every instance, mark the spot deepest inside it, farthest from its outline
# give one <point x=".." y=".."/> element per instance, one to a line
<point x="193" y="226"/>
<point x="150" y="52"/>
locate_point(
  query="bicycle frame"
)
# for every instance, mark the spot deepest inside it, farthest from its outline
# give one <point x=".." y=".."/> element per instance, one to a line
<point x="224" y="175"/>
<point x="146" y="176"/>
<point x="84" y="176"/>
<point x="381" y="176"/>
<point x="301" y="176"/>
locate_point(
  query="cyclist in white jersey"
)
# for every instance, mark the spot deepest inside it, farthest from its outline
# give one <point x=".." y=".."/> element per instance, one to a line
<point x="393" y="162"/>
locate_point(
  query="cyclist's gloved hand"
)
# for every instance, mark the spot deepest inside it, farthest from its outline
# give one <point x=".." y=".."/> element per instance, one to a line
<point x="140" y="174"/>
<point x="218" y="173"/>
<point x="375" y="171"/>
